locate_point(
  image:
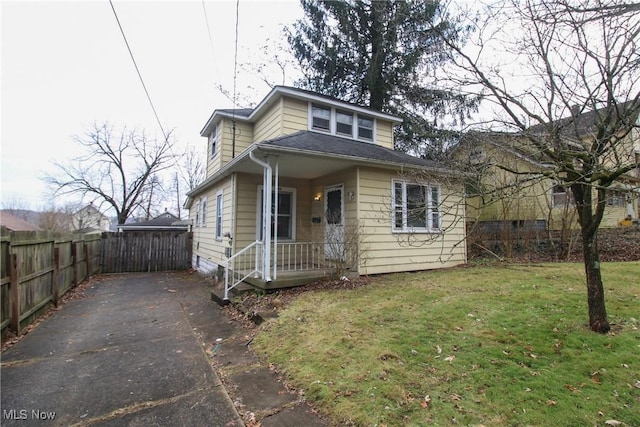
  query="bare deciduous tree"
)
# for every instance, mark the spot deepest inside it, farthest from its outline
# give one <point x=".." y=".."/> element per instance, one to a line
<point x="569" y="89"/>
<point x="115" y="168"/>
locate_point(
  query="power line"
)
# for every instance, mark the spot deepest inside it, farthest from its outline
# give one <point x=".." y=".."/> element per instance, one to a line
<point x="155" y="113"/>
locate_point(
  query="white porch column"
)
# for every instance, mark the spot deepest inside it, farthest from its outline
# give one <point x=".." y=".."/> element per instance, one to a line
<point x="266" y="216"/>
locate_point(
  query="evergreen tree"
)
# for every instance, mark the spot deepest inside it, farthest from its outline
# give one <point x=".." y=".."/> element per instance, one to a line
<point x="385" y="55"/>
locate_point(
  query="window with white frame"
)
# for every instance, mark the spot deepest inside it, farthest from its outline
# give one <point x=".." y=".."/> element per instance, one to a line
<point x="203" y="215"/>
<point x="213" y="141"/>
<point x="365" y="128"/>
<point x="560" y="196"/>
<point x="416" y="207"/>
<point x="616" y="198"/>
<point x="341" y="122"/>
<point x="219" y="216"/>
<point x="320" y="118"/>
<point x="286" y="213"/>
<point x="344" y="123"/>
<point x="197" y="214"/>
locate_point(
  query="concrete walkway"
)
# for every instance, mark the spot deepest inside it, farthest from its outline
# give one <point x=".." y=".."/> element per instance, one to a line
<point x="137" y="350"/>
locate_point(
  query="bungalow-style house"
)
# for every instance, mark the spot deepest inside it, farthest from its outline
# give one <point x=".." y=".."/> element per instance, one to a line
<point x="163" y="222"/>
<point x="513" y="196"/>
<point x="304" y="184"/>
<point x="89" y="220"/>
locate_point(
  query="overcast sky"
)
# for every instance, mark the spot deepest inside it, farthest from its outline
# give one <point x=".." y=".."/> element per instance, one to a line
<point x="65" y="66"/>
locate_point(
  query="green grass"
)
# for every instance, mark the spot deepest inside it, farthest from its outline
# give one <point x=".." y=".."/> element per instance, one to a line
<point x="495" y="346"/>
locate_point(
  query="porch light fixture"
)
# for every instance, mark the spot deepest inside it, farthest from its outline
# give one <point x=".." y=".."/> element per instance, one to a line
<point x="317" y="197"/>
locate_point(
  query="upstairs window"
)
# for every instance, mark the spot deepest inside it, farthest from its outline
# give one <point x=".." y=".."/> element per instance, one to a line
<point x="344" y="123"/>
<point x="365" y="128"/>
<point x="321" y="118"/>
<point x="416" y="207"/>
<point x="341" y="122"/>
<point x="213" y="141"/>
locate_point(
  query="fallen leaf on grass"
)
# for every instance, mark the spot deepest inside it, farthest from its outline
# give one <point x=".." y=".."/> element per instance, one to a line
<point x="426" y="402"/>
<point x="613" y="423"/>
<point x="551" y="402"/>
<point x="450" y="358"/>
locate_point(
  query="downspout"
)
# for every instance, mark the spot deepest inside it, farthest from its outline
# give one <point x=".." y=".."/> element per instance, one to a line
<point x="266" y="216"/>
<point x="275" y="225"/>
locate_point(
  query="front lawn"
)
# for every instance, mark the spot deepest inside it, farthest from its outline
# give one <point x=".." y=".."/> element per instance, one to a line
<point x="496" y="346"/>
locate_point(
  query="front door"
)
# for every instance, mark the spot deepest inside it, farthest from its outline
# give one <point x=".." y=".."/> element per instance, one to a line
<point x="334" y="222"/>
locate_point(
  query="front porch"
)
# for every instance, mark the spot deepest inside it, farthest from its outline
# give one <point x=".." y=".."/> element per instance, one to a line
<point x="291" y="264"/>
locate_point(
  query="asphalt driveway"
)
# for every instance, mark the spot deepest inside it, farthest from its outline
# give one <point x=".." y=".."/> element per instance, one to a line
<point x="129" y="353"/>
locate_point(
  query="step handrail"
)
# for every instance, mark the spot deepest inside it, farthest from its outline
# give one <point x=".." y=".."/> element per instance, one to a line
<point x="229" y="266"/>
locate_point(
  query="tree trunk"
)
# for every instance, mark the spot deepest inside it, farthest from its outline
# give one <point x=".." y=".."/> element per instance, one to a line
<point x="595" y="290"/>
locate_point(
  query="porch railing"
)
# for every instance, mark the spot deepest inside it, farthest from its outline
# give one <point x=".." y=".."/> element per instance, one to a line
<point x="241" y="265"/>
<point x="288" y="257"/>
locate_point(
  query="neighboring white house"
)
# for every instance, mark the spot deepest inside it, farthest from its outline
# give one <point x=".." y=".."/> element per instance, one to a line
<point x="291" y="181"/>
<point x="89" y="219"/>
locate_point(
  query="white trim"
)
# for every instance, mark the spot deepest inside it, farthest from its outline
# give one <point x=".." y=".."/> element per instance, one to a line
<point x="428" y="188"/>
<point x="203" y="213"/>
<point x="333" y="122"/>
<point x="219" y="216"/>
<point x="294" y="198"/>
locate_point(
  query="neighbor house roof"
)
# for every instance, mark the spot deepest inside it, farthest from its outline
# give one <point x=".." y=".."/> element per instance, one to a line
<point x="583" y="123"/>
<point x="165" y="221"/>
<point x="13" y="223"/>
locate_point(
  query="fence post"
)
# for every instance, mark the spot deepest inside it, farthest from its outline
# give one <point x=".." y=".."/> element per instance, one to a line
<point x="85" y="250"/>
<point x="15" y="293"/>
<point x="74" y="262"/>
<point x="56" y="276"/>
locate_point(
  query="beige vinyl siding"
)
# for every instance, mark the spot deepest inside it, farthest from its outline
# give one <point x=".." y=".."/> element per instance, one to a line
<point x="389" y="252"/>
<point x="384" y="133"/>
<point x="244" y="138"/>
<point x="205" y="244"/>
<point x="247" y="209"/>
<point x="269" y="125"/>
<point x="296" y="116"/>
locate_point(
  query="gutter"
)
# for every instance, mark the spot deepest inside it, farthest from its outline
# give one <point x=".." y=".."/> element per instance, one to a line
<point x="266" y="215"/>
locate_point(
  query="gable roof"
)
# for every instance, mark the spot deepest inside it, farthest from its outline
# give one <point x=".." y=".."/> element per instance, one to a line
<point x="252" y="114"/>
<point x="329" y="153"/>
<point x="581" y="124"/>
<point x="13" y="223"/>
<point x="165" y="220"/>
<point x="325" y="144"/>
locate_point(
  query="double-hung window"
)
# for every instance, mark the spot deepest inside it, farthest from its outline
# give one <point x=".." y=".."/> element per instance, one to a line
<point x="286" y="213"/>
<point x="416" y="207"/>
<point x="341" y="122"/>
<point x="560" y="196"/>
<point x="344" y="123"/>
<point x="321" y="118"/>
<point x="218" y="227"/>
<point x="203" y="216"/>
<point x="365" y="128"/>
<point x="198" y="214"/>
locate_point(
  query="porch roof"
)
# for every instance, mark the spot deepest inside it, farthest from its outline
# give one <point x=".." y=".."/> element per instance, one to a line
<point x="308" y="155"/>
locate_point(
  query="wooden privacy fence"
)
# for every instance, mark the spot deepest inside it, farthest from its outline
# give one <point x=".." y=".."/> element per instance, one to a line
<point x="39" y="267"/>
<point x="138" y="251"/>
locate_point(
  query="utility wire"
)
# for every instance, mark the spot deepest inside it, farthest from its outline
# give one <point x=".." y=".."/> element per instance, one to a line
<point x="235" y="77"/>
<point x="155" y="113"/>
